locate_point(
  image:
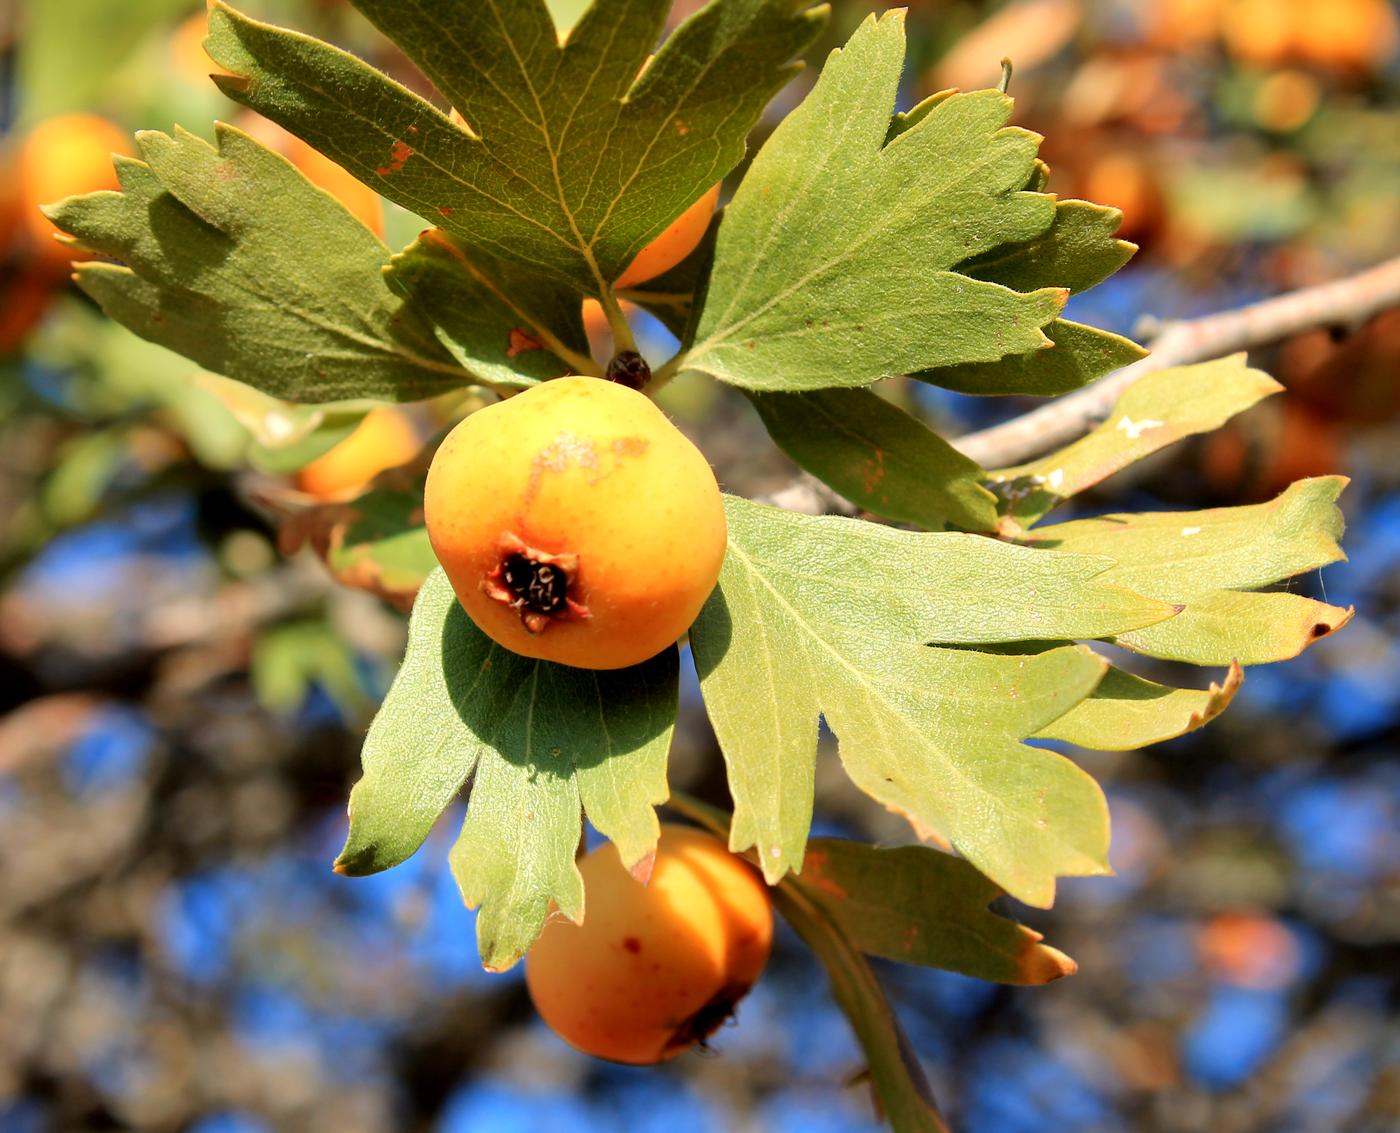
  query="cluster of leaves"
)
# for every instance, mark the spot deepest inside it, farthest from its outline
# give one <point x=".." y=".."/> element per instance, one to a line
<point x="862" y="244"/>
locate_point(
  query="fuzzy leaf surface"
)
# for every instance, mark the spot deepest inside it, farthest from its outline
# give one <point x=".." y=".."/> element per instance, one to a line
<point x="234" y="259"/>
<point x="496" y="320"/>
<point x="834" y="617"/>
<point x="918" y="905"/>
<point x="834" y="263"/>
<point x="1157" y="410"/>
<point x="1078" y="355"/>
<point x="569" y="161"/>
<point x="879" y="457"/>
<point x="1211" y="561"/>
<point x="543" y="740"/>
<point x="1077" y="252"/>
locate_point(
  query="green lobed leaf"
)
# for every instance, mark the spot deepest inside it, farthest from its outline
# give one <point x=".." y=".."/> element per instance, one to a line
<point x="879" y="457"/>
<point x="569" y="161"/>
<point x="232" y="258"/>
<point x="1127" y="712"/>
<point x="833" y="617"/>
<point x="1157" y="410"/>
<point x="918" y="905"/>
<point x="542" y="739"/>
<point x="68" y="51"/>
<point x="834" y="261"/>
<point x="496" y="320"/>
<point x="1209" y="560"/>
<point x="1078" y="355"/>
<point x="1078" y="251"/>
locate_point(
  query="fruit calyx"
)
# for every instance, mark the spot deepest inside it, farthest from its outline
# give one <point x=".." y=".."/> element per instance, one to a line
<point x="535" y="584"/>
<point x="705" y="1022"/>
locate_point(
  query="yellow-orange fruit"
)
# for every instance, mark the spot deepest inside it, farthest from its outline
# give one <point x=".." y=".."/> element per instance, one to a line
<point x="576" y="523"/>
<point x="61" y="157"/>
<point x="653" y="969"/>
<point x="385" y="439"/>
<point x="362" y="202"/>
<point x="674" y="244"/>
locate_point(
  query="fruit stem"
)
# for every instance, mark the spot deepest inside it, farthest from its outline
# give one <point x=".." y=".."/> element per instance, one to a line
<point x="617" y="323"/>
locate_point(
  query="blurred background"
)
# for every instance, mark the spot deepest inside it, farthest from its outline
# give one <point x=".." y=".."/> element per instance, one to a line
<point x="181" y="703"/>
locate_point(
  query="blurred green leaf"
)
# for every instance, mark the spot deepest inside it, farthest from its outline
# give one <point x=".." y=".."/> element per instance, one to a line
<point x="879" y="457"/>
<point x="68" y="49"/>
<point x="834" y="262"/>
<point x="1206" y="559"/>
<point x="569" y="162"/>
<point x="288" y="660"/>
<point x="235" y="260"/>
<point x="542" y="739"/>
<point x="1157" y="410"/>
<point x="833" y="617"/>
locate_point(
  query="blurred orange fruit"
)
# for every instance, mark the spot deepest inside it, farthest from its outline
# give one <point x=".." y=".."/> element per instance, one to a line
<point x="62" y="157"/>
<point x="386" y="438"/>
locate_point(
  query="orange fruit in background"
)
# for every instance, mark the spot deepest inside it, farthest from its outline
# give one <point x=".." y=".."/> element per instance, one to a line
<point x="1357" y="35"/>
<point x="62" y="157"/>
<point x="674" y="244"/>
<point x="1125" y="181"/>
<point x="386" y="438"/>
<point x="362" y="202"/>
<point x="656" y="968"/>
<point x="576" y="523"/>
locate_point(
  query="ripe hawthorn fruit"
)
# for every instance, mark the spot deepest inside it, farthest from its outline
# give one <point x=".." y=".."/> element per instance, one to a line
<point x="576" y="523"/>
<point x="656" y="968"/>
<point x="385" y="439"/>
<point x="62" y="157"/>
<point x="676" y="242"/>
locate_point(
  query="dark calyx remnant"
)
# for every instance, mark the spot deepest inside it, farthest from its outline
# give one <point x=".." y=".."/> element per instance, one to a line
<point x="541" y="587"/>
<point x="630" y="369"/>
<point x="705" y="1022"/>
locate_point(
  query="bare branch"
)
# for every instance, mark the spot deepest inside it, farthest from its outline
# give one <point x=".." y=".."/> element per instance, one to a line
<point x="1344" y="302"/>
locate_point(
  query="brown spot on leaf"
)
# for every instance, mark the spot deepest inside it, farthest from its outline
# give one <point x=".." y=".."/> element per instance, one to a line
<point x="446" y="210"/>
<point x="681" y="128"/>
<point x="400" y="152"/>
<point x="872" y="472"/>
<point x="521" y="342"/>
<point x="632" y="944"/>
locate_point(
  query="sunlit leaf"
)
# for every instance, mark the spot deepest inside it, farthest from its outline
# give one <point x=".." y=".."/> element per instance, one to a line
<point x="544" y="740"/>
<point x="232" y="258"/>
<point x="834" y="618"/>
<point x="567" y="161"/>
<point x="1157" y="410"/>
<point x="879" y="457"/>
<point x="1127" y="712"/>
<point x="834" y="261"/>
<point x="918" y="905"/>
<point x="1209" y="561"/>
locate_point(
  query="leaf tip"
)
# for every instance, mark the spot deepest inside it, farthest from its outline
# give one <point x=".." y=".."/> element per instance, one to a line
<point x="1039" y="963"/>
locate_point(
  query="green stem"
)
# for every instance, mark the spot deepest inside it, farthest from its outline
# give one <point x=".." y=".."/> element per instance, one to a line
<point x="895" y="1074"/>
<point x="617" y="322"/>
